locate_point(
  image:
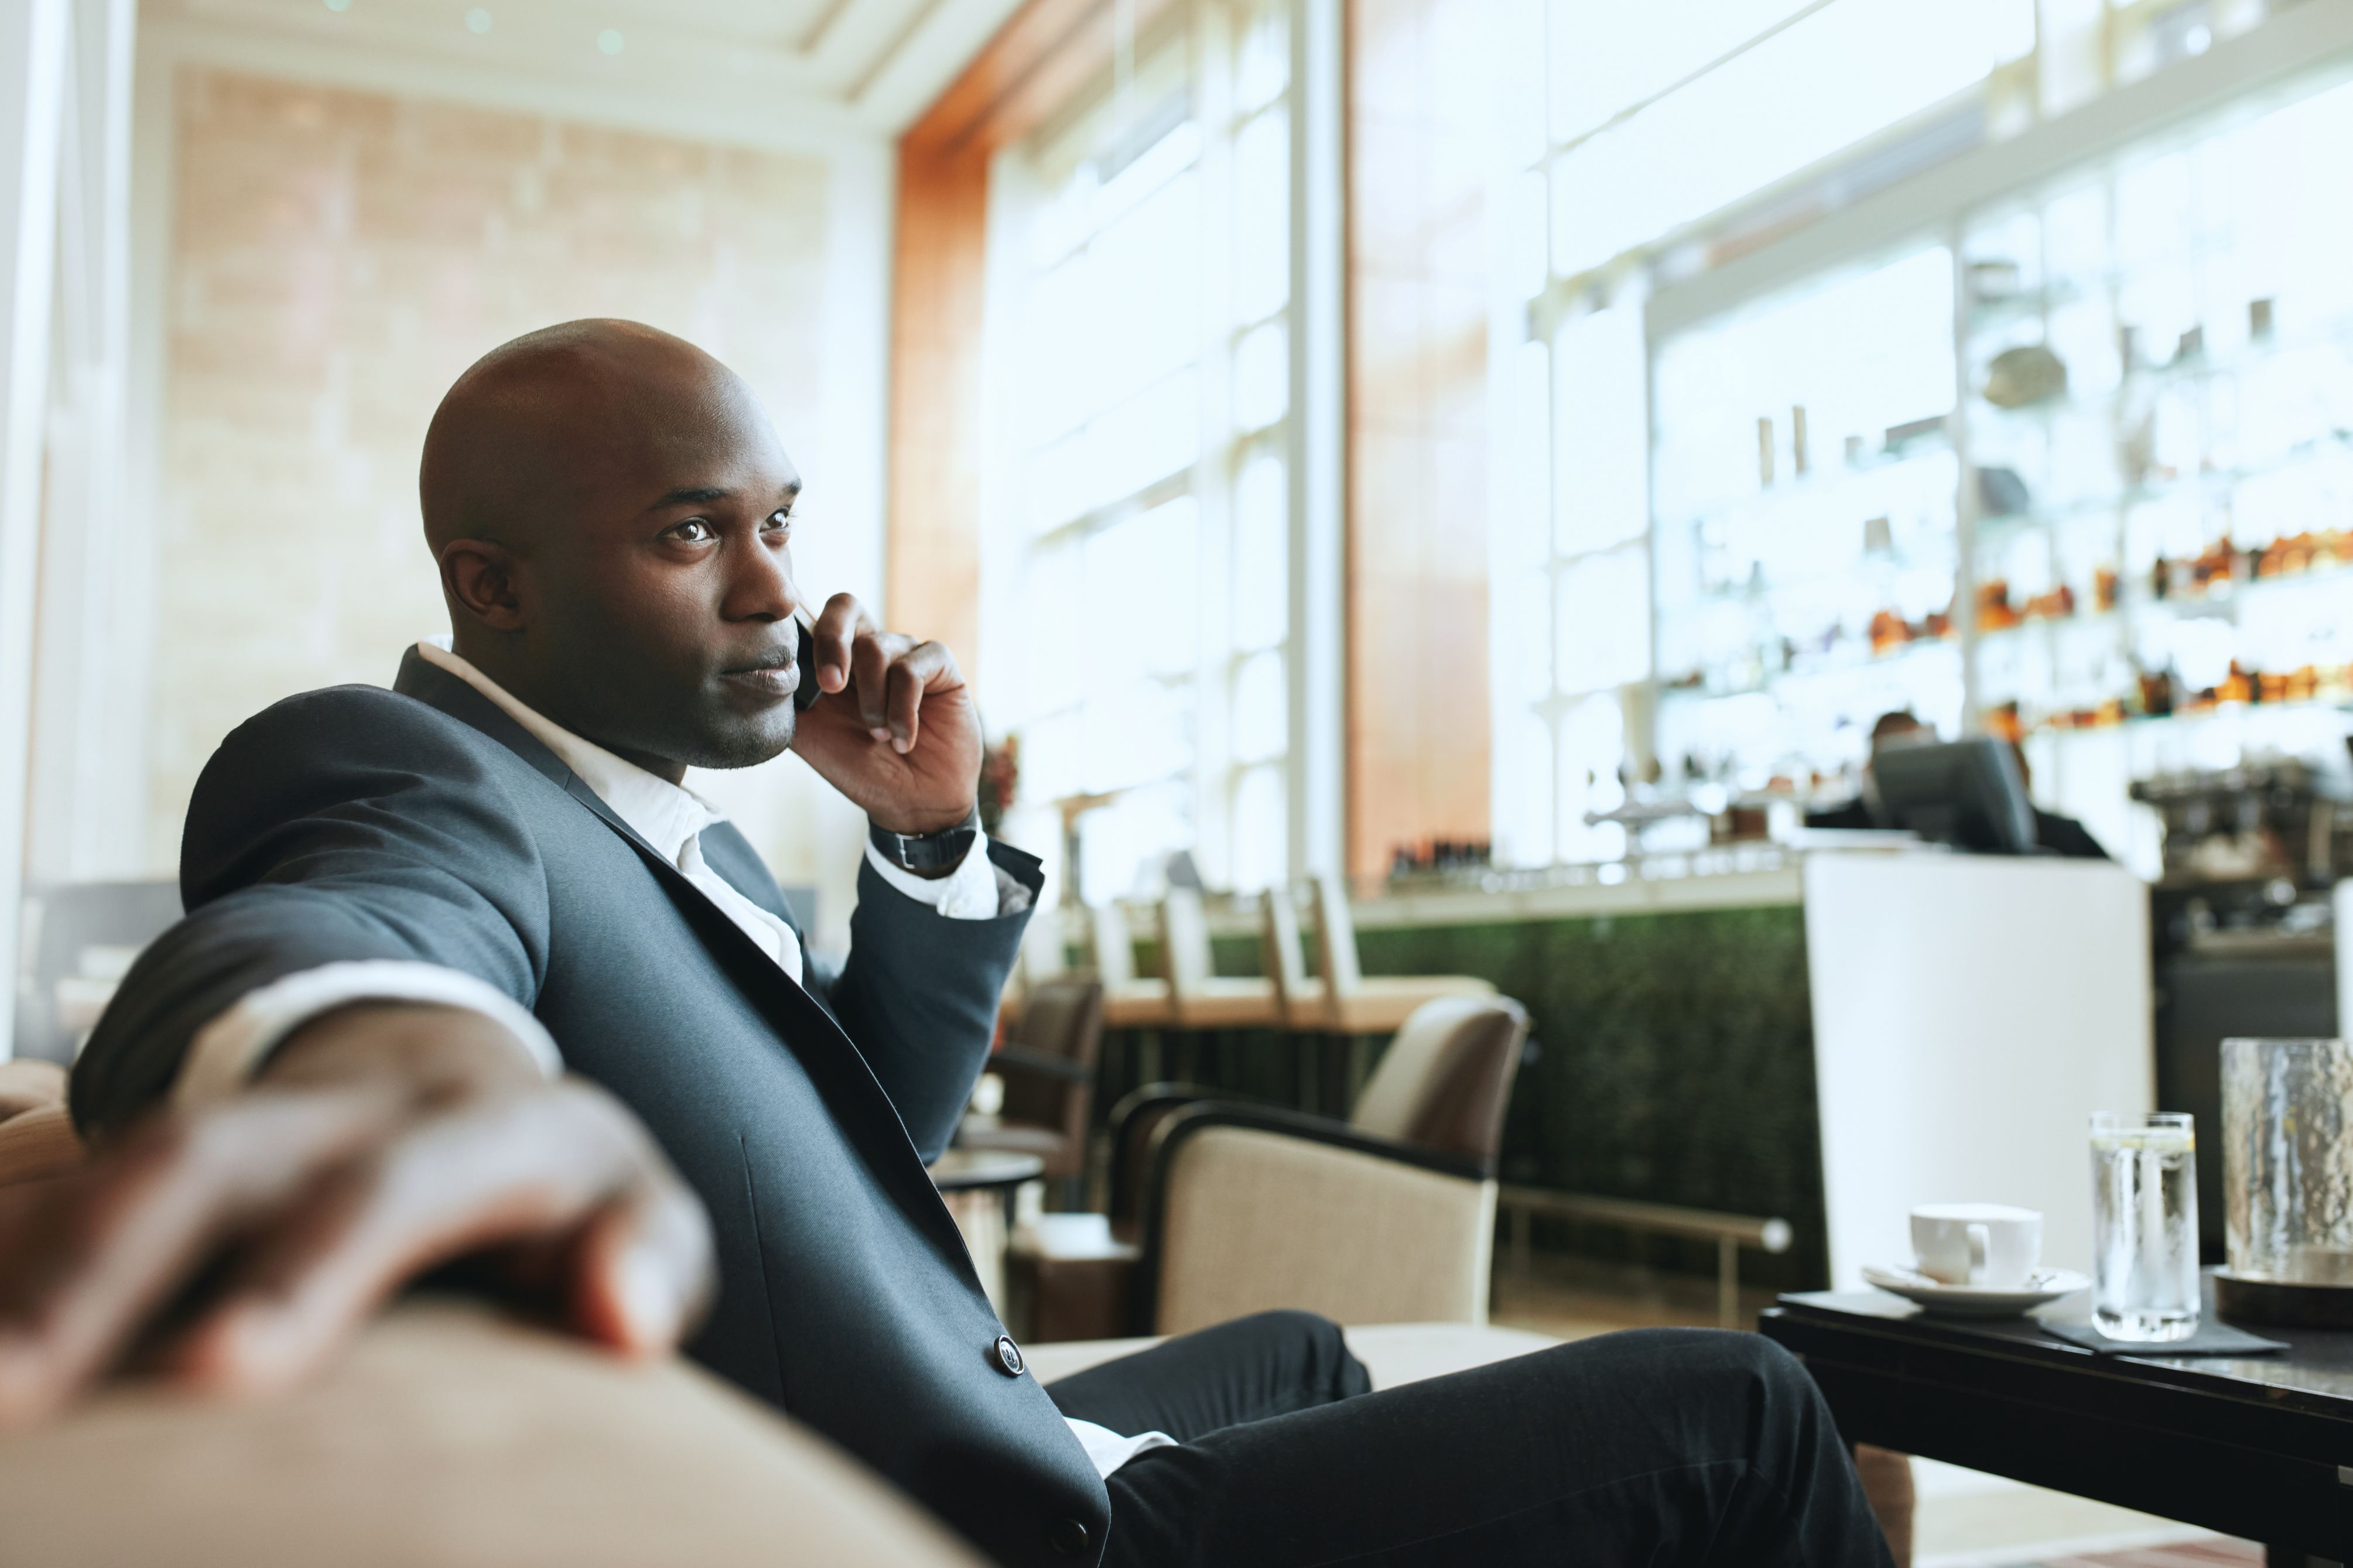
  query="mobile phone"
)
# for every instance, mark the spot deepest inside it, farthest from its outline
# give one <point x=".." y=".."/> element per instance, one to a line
<point x="806" y="694"/>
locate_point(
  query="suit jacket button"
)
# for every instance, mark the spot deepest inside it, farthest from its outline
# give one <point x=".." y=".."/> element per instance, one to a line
<point x="1008" y="1356"/>
<point x="1069" y="1537"/>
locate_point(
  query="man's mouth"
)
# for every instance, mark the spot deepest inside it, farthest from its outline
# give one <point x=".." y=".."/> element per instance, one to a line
<point x="778" y="675"/>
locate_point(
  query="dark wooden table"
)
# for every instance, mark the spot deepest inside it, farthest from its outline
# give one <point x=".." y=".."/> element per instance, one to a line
<point x="979" y="1185"/>
<point x="2261" y="1449"/>
<point x="976" y="1170"/>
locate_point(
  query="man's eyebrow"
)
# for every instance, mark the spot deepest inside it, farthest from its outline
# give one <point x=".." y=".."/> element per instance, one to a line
<point x="692" y="495"/>
<point x="699" y="495"/>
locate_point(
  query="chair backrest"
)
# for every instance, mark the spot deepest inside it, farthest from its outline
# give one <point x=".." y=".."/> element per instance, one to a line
<point x="1256" y="1220"/>
<point x="1335" y="937"/>
<point x="1043" y="955"/>
<point x="1279" y="942"/>
<point x="80" y="938"/>
<point x="1061" y="1017"/>
<point x="1114" y="944"/>
<point x="1447" y="1077"/>
<point x="1184" y="942"/>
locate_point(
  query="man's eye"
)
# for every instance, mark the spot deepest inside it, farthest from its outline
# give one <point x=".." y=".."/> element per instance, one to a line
<point x="693" y="530"/>
<point x="778" y="522"/>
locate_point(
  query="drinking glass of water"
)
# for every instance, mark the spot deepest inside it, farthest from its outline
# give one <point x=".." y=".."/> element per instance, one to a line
<point x="2145" y="1227"/>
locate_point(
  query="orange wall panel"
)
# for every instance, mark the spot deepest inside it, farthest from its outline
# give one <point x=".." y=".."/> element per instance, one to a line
<point x="1417" y="568"/>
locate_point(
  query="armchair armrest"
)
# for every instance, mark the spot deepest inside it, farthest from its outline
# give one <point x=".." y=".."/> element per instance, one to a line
<point x="1202" y="1111"/>
<point x="1133" y="1121"/>
<point x="1250" y="1207"/>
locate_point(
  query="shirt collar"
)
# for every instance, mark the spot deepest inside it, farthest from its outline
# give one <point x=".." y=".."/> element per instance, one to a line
<point x="660" y="812"/>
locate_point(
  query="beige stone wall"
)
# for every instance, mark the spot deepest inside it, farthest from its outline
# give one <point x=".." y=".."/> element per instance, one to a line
<point x="336" y="259"/>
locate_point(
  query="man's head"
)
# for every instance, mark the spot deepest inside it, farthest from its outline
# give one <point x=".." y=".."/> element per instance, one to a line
<point x="610" y="509"/>
<point x="1888" y="731"/>
<point x="1897" y="729"/>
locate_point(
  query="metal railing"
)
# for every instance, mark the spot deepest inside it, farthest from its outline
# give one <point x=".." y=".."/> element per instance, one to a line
<point x="1730" y="1232"/>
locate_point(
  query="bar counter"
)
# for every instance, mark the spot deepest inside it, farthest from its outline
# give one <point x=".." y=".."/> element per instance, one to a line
<point x="1679" y="1031"/>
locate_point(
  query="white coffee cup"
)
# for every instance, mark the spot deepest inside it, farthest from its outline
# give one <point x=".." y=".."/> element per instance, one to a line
<point x="1990" y="1245"/>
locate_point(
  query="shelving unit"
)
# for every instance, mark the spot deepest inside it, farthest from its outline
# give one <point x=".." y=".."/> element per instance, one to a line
<point x="2136" y="556"/>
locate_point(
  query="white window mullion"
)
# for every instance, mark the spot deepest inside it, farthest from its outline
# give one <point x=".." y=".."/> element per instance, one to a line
<point x="1318" y="445"/>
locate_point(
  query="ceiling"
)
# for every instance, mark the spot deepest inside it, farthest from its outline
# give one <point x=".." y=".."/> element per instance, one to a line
<point x="867" y="64"/>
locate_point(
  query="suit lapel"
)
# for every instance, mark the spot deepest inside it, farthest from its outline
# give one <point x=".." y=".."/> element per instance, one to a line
<point x="803" y="1025"/>
<point x="806" y="1028"/>
<point x="436" y="687"/>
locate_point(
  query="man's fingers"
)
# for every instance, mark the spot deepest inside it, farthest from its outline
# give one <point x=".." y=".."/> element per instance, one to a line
<point x="870" y="659"/>
<point x="643" y="1270"/>
<point x="532" y="1165"/>
<point x="91" y="1258"/>
<point x="913" y="674"/>
<point x="838" y="625"/>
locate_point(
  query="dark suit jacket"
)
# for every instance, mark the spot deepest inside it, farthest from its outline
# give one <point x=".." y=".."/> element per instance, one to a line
<point x="423" y="824"/>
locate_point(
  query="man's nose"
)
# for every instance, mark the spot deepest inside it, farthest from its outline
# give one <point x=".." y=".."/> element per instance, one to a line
<point x="760" y="583"/>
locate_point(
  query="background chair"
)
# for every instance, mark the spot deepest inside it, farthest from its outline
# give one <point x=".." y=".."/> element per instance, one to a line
<point x="1355" y="1004"/>
<point x="1047" y="1063"/>
<point x="79" y="939"/>
<point x="1041" y="958"/>
<point x="1199" y="998"/>
<point x="1129" y="1002"/>
<point x="1219" y="1208"/>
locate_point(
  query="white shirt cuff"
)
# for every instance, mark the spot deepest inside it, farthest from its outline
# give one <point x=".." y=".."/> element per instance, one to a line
<point x="226" y="1051"/>
<point x="1108" y="1449"/>
<point x="966" y="893"/>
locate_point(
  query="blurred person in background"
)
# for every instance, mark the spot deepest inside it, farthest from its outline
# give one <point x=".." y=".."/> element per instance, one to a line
<point x="2059" y="835"/>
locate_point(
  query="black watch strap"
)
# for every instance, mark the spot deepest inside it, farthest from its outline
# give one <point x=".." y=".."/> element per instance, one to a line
<point x="926" y="852"/>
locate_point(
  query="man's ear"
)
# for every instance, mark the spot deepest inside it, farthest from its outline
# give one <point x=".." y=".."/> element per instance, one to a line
<point x="479" y="576"/>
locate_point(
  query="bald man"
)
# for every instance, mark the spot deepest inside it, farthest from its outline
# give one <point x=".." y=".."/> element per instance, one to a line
<point x="471" y="979"/>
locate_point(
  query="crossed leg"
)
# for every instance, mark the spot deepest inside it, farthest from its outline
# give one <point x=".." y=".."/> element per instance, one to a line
<point x="1655" y="1445"/>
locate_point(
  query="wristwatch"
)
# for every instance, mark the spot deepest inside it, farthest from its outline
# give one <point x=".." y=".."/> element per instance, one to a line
<point x="924" y="853"/>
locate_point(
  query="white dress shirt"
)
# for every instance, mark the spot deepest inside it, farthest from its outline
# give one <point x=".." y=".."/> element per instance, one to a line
<point x="226" y="1051"/>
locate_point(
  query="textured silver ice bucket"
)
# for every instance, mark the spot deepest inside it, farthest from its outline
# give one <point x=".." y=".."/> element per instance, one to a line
<point x="2287" y="1161"/>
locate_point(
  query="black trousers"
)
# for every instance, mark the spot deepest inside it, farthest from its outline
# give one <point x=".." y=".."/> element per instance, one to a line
<point x="1651" y="1447"/>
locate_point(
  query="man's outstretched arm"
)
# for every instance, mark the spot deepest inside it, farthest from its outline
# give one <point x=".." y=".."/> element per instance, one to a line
<point x="284" y="1134"/>
<point x="238" y="1243"/>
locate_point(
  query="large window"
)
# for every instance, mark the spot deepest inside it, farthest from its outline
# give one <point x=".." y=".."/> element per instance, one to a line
<point x="1136" y="602"/>
<point x="1728" y="540"/>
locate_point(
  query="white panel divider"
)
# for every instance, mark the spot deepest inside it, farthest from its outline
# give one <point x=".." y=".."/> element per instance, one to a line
<point x="83" y="815"/>
<point x="1971" y="1013"/>
<point x="34" y="37"/>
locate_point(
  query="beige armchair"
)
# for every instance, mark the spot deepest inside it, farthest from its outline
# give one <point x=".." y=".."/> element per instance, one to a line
<point x="449" y="1434"/>
<point x="37" y="1132"/>
<point x="1220" y="1208"/>
<point x="1047" y="1063"/>
<point x="1252" y="1208"/>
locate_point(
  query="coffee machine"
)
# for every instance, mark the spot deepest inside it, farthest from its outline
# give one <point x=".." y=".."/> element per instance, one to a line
<point x="2242" y="927"/>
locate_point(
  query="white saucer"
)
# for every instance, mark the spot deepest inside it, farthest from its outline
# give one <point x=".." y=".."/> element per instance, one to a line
<point x="1977" y="1300"/>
